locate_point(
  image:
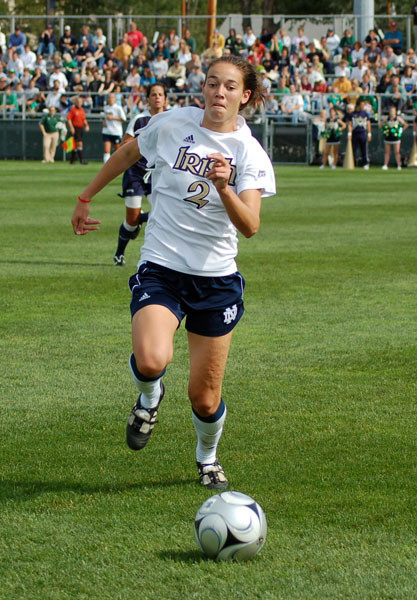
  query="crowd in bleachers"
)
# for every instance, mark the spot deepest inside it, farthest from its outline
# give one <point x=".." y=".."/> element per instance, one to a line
<point x="299" y="76"/>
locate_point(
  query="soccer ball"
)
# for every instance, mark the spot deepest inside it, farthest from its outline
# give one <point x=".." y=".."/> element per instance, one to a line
<point x="230" y="525"/>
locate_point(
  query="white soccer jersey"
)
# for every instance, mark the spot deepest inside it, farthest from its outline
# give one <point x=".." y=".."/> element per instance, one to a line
<point x="114" y="127"/>
<point x="188" y="228"/>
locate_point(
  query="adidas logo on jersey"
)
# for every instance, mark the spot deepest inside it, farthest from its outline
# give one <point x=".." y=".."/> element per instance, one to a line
<point x="189" y="139"/>
<point x="145" y="296"/>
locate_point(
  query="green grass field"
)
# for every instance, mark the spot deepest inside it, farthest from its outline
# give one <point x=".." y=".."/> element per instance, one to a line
<point x="320" y="388"/>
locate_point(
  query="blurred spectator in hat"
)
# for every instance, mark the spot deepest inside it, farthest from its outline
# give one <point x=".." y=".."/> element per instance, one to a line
<point x="134" y="36"/>
<point x="123" y="52"/>
<point x="13" y="77"/>
<point x="190" y="40"/>
<point x="333" y="41"/>
<point x="47" y="41"/>
<point x="175" y="71"/>
<point x="17" y="41"/>
<point x="195" y="79"/>
<point x="239" y="47"/>
<point x="67" y="41"/>
<point x="393" y="38"/>
<point x="159" y="67"/>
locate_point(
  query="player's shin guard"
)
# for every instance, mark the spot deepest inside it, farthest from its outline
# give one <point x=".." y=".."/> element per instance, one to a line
<point x="209" y="431"/>
<point x="149" y="387"/>
<point x="125" y="236"/>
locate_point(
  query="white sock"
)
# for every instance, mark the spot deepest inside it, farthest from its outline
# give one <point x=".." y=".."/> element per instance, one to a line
<point x="106" y="157"/>
<point x="129" y="227"/>
<point x="208" y="434"/>
<point x="150" y="390"/>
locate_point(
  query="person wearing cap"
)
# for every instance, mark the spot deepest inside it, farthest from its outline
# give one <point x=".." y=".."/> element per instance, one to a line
<point x="17" y="41"/>
<point x="333" y="42"/>
<point x="175" y="71"/>
<point x="47" y="41"/>
<point x="68" y="41"/>
<point x="239" y="47"/>
<point x="393" y="38"/>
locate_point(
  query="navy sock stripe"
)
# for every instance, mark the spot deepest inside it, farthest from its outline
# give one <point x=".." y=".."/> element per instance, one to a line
<point x="139" y="375"/>
<point x="214" y="417"/>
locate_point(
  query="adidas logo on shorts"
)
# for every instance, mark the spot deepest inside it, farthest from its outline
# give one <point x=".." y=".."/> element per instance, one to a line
<point x="145" y="296"/>
<point x="189" y="139"/>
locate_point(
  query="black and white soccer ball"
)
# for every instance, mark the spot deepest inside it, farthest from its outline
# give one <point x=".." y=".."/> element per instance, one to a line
<point x="230" y="526"/>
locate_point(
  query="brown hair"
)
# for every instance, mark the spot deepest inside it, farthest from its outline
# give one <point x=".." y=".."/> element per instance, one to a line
<point x="251" y="80"/>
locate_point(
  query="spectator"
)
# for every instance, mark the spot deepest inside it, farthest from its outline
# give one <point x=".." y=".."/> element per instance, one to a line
<point x="148" y="78"/>
<point x="372" y="35"/>
<point x="394" y="38"/>
<point x="84" y="50"/>
<point x="408" y="81"/>
<point x="256" y="51"/>
<point x="333" y="42"/>
<point x="99" y="39"/>
<point x="77" y="86"/>
<point x="53" y="97"/>
<point x="85" y="34"/>
<point x="47" y="41"/>
<point x="270" y="66"/>
<point x="123" y="52"/>
<point x="107" y="85"/>
<point x="195" y="80"/>
<point x="160" y="67"/>
<point x="239" y="46"/>
<point x="231" y="40"/>
<point x="183" y="53"/>
<point x="342" y="86"/>
<point x="10" y="103"/>
<point x="357" y="53"/>
<point x="359" y="71"/>
<point x="265" y="82"/>
<point x="213" y="52"/>
<point x="133" y="78"/>
<point x="161" y="49"/>
<point x="26" y="78"/>
<point x="292" y="104"/>
<point x="28" y="58"/>
<point x="195" y="60"/>
<point x="134" y="36"/>
<point x="355" y="92"/>
<point x="17" y="41"/>
<point x="3" y="44"/>
<point x="219" y="37"/>
<point x="35" y="100"/>
<point x="50" y="134"/>
<point x="248" y="38"/>
<point x="283" y="38"/>
<point x="15" y="64"/>
<point x="372" y="54"/>
<point x="393" y="59"/>
<point x="59" y="76"/>
<point x="190" y="40"/>
<point x="342" y="69"/>
<point x="69" y="65"/>
<point x="271" y="105"/>
<point x="94" y="87"/>
<point x="348" y="40"/>
<point x="410" y="59"/>
<point x="397" y="94"/>
<point x="68" y="42"/>
<point x="172" y="43"/>
<point x="298" y="38"/>
<point x="40" y="79"/>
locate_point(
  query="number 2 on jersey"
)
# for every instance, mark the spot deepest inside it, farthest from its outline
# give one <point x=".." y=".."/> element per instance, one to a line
<point x="202" y="188"/>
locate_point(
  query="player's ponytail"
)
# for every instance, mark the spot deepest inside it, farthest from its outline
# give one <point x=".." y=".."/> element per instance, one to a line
<point x="251" y="80"/>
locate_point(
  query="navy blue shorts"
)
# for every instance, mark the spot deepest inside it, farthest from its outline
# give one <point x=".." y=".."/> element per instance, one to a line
<point x="133" y="184"/>
<point x="114" y="139"/>
<point x="212" y="305"/>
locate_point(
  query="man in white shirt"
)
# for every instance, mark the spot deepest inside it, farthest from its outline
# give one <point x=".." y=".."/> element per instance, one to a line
<point x="292" y="104"/>
<point x="333" y="41"/>
<point x="284" y="38"/>
<point x="159" y="67"/>
<point x="15" y="64"/>
<point x="300" y="37"/>
<point x="28" y="58"/>
<point x="249" y="38"/>
<point x="59" y="76"/>
<point x="393" y="59"/>
<point x="54" y="97"/>
<point x="359" y="70"/>
<point x="342" y="69"/>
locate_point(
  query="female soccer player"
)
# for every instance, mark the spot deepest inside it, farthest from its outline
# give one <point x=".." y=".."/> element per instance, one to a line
<point x="114" y="117"/>
<point x="136" y="180"/>
<point x="332" y="133"/>
<point x="392" y="130"/>
<point x="209" y="177"/>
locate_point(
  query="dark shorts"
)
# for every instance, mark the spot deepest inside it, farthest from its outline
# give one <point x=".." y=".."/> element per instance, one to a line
<point x="114" y="139"/>
<point x="78" y="134"/>
<point x="133" y="184"/>
<point x="212" y="305"/>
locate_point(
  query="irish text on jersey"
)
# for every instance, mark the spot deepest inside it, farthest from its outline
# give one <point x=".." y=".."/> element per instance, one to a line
<point x="194" y="164"/>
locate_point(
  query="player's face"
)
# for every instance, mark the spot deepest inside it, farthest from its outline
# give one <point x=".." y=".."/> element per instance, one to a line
<point x="156" y="100"/>
<point x="223" y="93"/>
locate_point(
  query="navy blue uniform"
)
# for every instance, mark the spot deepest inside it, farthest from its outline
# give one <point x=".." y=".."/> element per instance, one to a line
<point x="360" y="120"/>
<point x="133" y="178"/>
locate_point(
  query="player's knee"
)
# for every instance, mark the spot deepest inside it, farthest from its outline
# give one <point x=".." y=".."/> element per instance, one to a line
<point x="204" y="401"/>
<point x="151" y="363"/>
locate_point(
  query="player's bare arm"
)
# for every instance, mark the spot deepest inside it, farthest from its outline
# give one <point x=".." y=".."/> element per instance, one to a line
<point x="243" y="209"/>
<point x="119" y="161"/>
